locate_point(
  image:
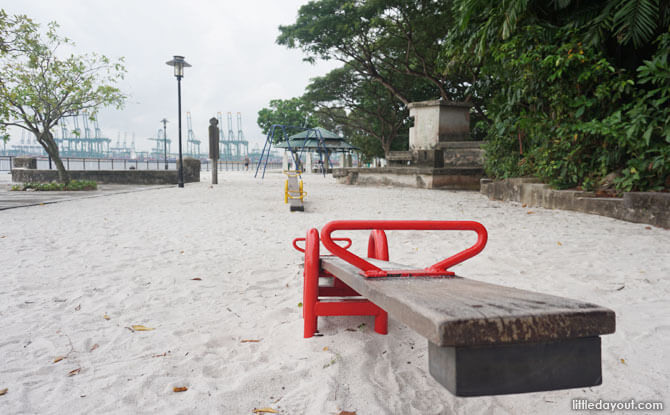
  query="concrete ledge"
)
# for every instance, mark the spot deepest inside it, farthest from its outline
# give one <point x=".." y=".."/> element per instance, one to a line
<point x="639" y="207"/>
<point x="106" y="176"/>
<point x="25" y="162"/>
<point x="456" y="178"/>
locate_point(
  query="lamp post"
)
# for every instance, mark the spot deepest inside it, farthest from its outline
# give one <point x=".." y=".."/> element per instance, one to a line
<point x="179" y="64"/>
<point x="164" y="121"/>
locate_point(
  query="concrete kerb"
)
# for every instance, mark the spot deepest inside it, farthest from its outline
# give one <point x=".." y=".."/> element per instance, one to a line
<point x="639" y="207"/>
<point x="46" y="198"/>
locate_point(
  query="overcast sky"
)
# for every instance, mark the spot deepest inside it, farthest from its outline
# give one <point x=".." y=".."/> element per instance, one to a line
<point x="237" y="66"/>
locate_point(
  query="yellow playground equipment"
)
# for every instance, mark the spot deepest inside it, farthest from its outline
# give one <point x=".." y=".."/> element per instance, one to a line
<point x="293" y="188"/>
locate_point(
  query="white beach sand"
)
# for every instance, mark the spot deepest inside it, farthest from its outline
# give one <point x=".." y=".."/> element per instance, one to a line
<point x="132" y="257"/>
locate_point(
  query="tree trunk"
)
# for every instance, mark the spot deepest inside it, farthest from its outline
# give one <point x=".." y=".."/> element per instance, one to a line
<point x="47" y="141"/>
<point x="386" y="146"/>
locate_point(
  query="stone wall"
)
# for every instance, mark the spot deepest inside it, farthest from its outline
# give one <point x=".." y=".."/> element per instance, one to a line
<point x="426" y="178"/>
<point x="639" y="207"/>
<point x="148" y="177"/>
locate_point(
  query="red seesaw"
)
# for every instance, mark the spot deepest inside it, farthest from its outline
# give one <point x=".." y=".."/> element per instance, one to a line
<point x="320" y="300"/>
<point x="483" y="339"/>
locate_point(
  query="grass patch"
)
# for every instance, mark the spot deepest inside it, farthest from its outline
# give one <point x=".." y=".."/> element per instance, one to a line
<point x="55" y="187"/>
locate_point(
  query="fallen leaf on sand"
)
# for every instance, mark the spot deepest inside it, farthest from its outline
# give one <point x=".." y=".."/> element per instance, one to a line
<point x="648" y="228"/>
<point x="106" y="317"/>
<point x="530" y="212"/>
<point x="3" y="391"/>
<point x="95" y="346"/>
<point x="249" y="341"/>
<point x="196" y="279"/>
<point x="347" y="413"/>
<point x="349" y="329"/>
<point x="560" y="244"/>
<point x="3" y="237"/>
<point x="77" y="308"/>
<point x="74" y="372"/>
<point x="139" y="327"/>
<point x="325" y="349"/>
<point x="265" y="411"/>
<point x="180" y="389"/>
<point x="181" y="252"/>
<point x="524" y="205"/>
<point x="623" y="361"/>
<point x="58" y="359"/>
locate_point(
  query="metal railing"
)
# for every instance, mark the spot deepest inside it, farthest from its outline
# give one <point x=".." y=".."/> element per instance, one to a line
<point x="82" y="163"/>
<point x="224" y="165"/>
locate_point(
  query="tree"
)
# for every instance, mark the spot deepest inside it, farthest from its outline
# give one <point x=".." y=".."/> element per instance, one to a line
<point x="367" y="109"/>
<point x="381" y="39"/>
<point x="294" y="112"/>
<point x="39" y="85"/>
<point x="625" y="29"/>
<point x="577" y="91"/>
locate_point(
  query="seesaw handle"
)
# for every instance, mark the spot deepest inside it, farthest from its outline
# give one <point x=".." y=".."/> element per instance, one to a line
<point x="420" y="225"/>
<point x="296" y="240"/>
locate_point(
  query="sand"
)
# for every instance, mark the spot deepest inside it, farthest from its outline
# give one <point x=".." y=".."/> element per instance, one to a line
<point x="76" y="276"/>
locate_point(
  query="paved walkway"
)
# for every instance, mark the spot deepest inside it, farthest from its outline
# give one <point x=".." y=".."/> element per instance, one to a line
<point x="10" y="199"/>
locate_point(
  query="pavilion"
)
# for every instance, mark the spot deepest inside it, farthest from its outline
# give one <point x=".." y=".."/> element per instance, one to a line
<point x="310" y="141"/>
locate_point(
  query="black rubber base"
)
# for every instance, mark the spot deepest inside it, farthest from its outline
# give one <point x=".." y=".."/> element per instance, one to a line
<point x="516" y="368"/>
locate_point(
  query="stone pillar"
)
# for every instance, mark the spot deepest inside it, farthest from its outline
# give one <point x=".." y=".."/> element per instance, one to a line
<point x="308" y="162"/>
<point x="25" y="162"/>
<point x="436" y="122"/>
<point x="214" y="148"/>
<point x="191" y="169"/>
<point x="284" y="161"/>
<point x="347" y="160"/>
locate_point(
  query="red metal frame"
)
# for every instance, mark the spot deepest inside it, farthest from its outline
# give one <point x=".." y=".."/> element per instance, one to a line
<point x="314" y="296"/>
<point x="296" y="240"/>
<point x="378" y="246"/>
<point x="437" y="269"/>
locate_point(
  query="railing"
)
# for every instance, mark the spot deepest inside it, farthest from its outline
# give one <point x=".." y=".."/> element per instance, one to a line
<point x="6" y="163"/>
<point x="224" y="165"/>
<point x="82" y="163"/>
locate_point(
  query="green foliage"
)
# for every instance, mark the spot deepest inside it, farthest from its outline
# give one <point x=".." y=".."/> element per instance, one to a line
<point x="38" y="86"/>
<point x="72" y="185"/>
<point x="294" y="112"/>
<point x="644" y="125"/>
<point x="569" y="117"/>
<point x="371" y="117"/>
<point x="383" y="40"/>
<point x="568" y="91"/>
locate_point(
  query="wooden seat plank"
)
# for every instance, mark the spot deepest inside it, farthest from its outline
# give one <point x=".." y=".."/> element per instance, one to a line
<point x="461" y="312"/>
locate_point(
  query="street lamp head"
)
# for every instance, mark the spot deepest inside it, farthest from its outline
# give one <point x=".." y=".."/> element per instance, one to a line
<point x="179" y="64"/>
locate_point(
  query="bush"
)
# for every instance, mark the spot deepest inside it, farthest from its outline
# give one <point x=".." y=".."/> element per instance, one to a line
<point x="73" y="185"/>
<point x="565" y="114"/>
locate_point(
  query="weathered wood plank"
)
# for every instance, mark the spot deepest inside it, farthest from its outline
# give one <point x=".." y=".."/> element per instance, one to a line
<point x="462" y="312"/>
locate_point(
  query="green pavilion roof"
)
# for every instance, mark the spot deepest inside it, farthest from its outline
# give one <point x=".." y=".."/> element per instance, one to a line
<point x="309" y="139"/>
